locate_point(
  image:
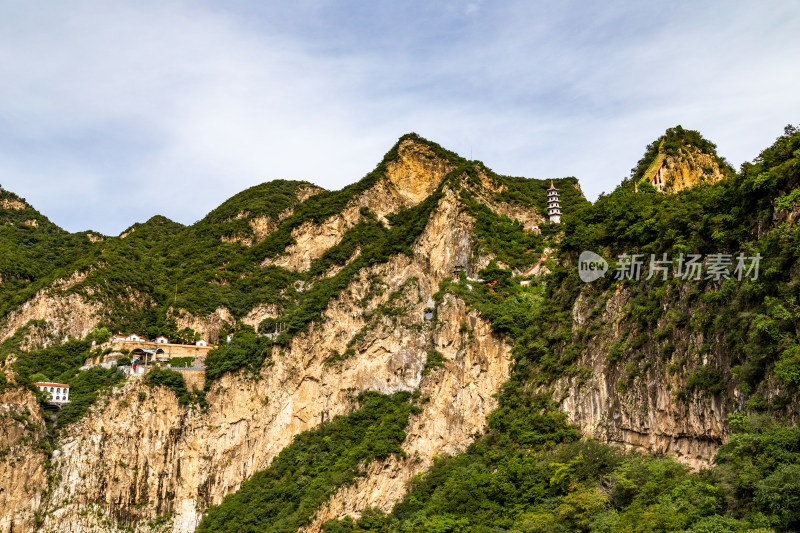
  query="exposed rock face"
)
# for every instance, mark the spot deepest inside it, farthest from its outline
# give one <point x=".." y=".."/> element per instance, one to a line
<point x="12" y="203"/>
<point x="304" y="193"/>
<point x="22" y="463"/>
<point x="476" y="364"/>
<point x="416" y="173"/>
<point x="262" y="226"/>
<point x="412" y="178"/>
<point x="259" y="313"/>
<point x="644" y="413"/>
<point x="67" y="315"/>
<point x="208" y="326"/>
<point x="138" y="456"/>
<point x="691" y="166"/>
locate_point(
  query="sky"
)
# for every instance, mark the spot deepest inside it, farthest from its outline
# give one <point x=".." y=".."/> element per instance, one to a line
<point x="114" y="111"/>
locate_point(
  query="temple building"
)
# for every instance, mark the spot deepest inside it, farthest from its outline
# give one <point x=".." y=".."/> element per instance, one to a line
<point x="553" y="204"/>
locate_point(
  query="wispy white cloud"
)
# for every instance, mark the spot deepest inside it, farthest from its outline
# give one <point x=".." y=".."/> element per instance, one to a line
<point x="175" y="106"/>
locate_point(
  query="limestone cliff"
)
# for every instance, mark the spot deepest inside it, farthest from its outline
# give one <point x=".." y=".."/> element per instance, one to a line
<point x="66" y="314"/>
<point x="22" y="460"/>
<point x="139" y="455"/>
<point x="630" y="402"/>
<point x="674" y="172"/>
<point x="415" y="174"/>
<point x="141" y="461"/>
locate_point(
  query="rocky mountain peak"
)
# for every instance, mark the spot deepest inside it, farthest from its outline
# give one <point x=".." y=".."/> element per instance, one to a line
<point x="680" y="159"/>
<point x="417" y="171"/>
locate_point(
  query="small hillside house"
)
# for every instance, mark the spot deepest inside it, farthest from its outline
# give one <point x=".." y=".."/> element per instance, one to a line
<point x="162" y="340"/>
<point x="134" y="337"/>
<point x="59" y="393"/>
<point x="118" y="338"/>
<point x="201" y="342"/>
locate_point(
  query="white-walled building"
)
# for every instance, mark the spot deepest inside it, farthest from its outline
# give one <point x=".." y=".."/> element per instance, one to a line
<point x="59" y="392"/>
<point x="135" y="337"/>
<point x="201" y="342"/>
<point x="162" y="340"/>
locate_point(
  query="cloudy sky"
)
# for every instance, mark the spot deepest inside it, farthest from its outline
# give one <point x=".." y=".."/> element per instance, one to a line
<point x="113" y="111"/>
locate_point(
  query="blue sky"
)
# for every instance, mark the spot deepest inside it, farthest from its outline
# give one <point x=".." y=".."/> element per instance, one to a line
<point x="112" y="111"/>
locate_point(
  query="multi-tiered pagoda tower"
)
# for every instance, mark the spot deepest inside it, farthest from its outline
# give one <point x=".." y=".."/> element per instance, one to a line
<point x="553" y="204"/>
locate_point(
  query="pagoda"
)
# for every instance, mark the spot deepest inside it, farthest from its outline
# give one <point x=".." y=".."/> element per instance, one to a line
<point x="553" y="204"/>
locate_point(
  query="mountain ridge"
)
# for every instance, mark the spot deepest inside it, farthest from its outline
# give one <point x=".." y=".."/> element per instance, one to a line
<point x="510" y="384"/>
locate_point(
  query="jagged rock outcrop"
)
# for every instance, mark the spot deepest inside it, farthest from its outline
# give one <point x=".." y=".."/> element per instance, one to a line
<point x="690" y="166"/>
<point x="13" y="203"/>
<point x="208" y="327"/>
<point x="67" y="314"/>
<point x="415" y="174"/>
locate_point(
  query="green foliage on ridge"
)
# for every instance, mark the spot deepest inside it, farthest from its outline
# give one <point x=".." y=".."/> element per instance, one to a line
<point x="530" y="471"/>
<point x="33" y="251"/>
<point x="750" y="321"/>
<point x="671" y="144"/>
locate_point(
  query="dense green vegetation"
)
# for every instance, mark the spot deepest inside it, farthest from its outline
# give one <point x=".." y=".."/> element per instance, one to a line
<point x="587" y="486"/>
<point x="533" y="193"/>
<point x="508" y="484"/>
<point x="160" y="266"/>
<point x="307" y="472"/>
<point x="245" y="351"/>
<point x="33" y="251"/>
<point x="751" y="321"/>
<point x="60" y="364"/>
<point x="502" y="237"/>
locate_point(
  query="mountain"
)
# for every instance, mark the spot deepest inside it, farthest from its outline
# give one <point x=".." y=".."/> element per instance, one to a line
<point x="680" y="159"/>
<point x="392" y="368"/>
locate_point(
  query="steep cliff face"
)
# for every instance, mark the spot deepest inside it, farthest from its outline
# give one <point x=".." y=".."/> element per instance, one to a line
<point x="411" y="178"/>
<point x="22" y="461"/>
<point x="634" y="402"/>
<point x="673" y="173"/>
<point x="66" y="314"/>
<point x="208" y="327"/>
<point x="457" y="400"/>
<point x="139" y="454"/>
<point x="140" y="460"/>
